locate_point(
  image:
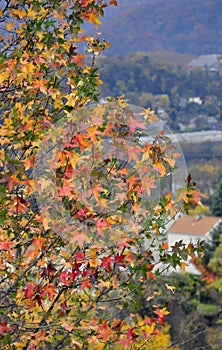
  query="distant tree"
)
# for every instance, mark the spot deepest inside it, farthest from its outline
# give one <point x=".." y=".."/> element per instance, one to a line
<point x="215" y="263"/>
<point x="212" y="245"/>
<point x="217" y="201"/>
<point x="211" y="109"/>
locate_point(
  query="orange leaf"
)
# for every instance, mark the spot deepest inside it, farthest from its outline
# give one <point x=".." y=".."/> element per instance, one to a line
<point x="41" y="85"/>
<point x="129" y="257"/>
<point x="29" y="162"/>
<point x="85" y="284"/>
<point x="19" y="205"/>
<point x="113" y="2"/>
<point x="165" y="245"/>
<point x="78" y="59"/>
<point x="50" y="291"/>
<point x="151" y="275"/>
<point x="38" y="242"/>
<point x="65" y="191"/>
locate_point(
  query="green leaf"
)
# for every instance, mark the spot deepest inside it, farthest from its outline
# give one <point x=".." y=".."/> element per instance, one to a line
<point x="2" y="192"/>
<point x="2" y="216"/>
<point x="175" y="260"/>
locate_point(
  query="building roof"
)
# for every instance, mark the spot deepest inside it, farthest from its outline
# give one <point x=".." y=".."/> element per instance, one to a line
<point x="194" y="225"/>
<point x="203" y="60"/>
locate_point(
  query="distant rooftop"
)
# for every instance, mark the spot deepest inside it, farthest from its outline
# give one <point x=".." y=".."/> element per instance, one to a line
<point x="195" y="225"/>
<point x="207" y="61"/>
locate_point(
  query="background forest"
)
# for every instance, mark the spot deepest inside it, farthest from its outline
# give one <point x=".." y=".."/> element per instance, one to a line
<point x="164" y="82"/>
<point x="153" y="25"/>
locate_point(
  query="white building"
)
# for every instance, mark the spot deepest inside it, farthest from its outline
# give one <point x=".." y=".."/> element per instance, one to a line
<point x="191" y="229"/>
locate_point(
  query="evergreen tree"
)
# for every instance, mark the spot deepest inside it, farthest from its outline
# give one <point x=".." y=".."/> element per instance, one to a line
<point x="217" y="201"/>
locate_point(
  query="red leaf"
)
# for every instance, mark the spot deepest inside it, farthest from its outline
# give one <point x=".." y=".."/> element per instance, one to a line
<point x="38" y="299"/>
<point x="106" y="262"/>
<point x="75" y="271"/>
<point x="48" y="271"/>
<point x="101" y="224"/>
<point x="30" y="290"/>
<point x="77" y="59"/>
<point x="189" y="179"/>
<point x="131" y="334"/>
<point x="4" y="328"/>
<point x="19" y="205"/>
<point x="80" y="256"/>
<point x="69" y="171"/>
<point x="64" y="305"/>
<point x="6" y="245"/>
<point x="84" y="3"/>
<point x="64" y="276"/>
<point x="119" y="259"/>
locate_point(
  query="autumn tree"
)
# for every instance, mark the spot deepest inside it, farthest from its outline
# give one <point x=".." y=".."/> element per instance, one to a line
<point x="81" y="224"/>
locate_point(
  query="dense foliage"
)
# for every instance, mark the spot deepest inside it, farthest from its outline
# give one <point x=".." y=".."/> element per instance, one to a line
<point x="80" y="236"/>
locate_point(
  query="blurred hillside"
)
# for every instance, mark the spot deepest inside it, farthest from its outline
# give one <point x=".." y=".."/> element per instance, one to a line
<point x="173" y="25"/>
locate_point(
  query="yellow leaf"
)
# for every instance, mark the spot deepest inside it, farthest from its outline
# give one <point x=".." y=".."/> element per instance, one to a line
<point x="20" y="345"/>
<point x="183" y="265"/>
<point x="71" y="100"/>
<point x="149" y="115"/>
<point x="121" y="101"/>
<point x="3" y="77"/>
<point x="171" y="288"/>
<point x="95" y="344"/>
<point x="158" y="166"/>
<point x="74" y="158"/>
<point x="31" y="13"/>
<point x="9" y="25"/>
<point x="18" y="13"/>
<point x="99" y="81"/>
<point x="94" y="19"/>
<point x="87" y="69"/>
<point x="40" y="46"/>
